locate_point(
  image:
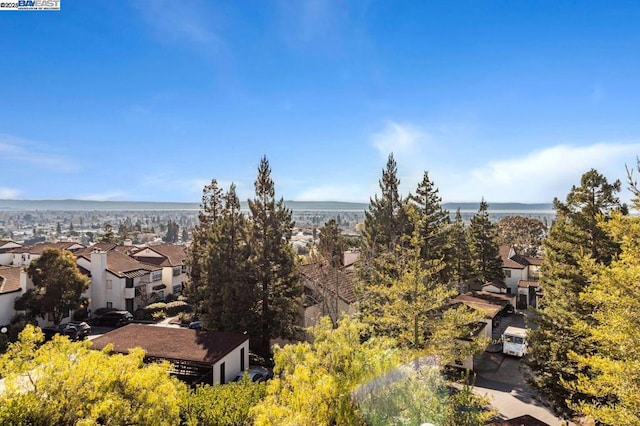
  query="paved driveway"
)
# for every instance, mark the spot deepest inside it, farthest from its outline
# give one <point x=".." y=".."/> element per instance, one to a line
<point x="501" y="379"/>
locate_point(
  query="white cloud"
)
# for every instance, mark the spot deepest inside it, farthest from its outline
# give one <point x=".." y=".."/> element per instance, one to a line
<point x="178" y="21"/>
<point x="348" y="192"/>
<point x="26" y="151"/>
<point x="106" y="196"/>
<point x="403" y="140"/>
<point x="190" y="186"/>
<point x="8" y="193"/>
<point x="538" y="176"/>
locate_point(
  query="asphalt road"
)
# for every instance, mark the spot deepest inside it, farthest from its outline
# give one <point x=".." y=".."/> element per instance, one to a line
<point x="501" y="379"/>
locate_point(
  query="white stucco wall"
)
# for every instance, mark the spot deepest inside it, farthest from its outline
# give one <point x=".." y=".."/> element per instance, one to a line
<point x="6" y="306"/>
<point x="232" y="363"/>
<point x="516" y="275"/>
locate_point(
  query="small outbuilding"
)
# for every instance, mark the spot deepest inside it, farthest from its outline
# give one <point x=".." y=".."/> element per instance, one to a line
<point x="196" y="356"/>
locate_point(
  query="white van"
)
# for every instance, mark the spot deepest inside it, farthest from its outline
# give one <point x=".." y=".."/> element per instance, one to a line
<point x="514" y="341"/>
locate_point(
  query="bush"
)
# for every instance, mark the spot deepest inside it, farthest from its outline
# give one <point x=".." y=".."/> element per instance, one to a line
<point x="174" y="308"/>
<point x="170" y="309"/>
<point x="228" y="404"/>
<point x="186" y="318"/>
<point x="158" y="315"/>
<point x="170" y="298"/>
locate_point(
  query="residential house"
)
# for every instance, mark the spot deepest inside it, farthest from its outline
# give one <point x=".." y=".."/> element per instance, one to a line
<point x="490" y="304"/>
<point x="6" y="254"/>
<point x="196" y="356"/>
<point x="520" y="269"/>
<point x="120" y="281"/>
<point x="23" y="256"/>
<point x="328" y="291"/>
<point x="172" y="258"/>
<point x="13" y="284"/>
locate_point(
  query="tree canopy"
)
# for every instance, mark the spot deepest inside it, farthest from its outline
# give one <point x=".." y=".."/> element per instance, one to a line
<point x="485" y="253"/>
<point x="577" y="232"/>
<point x="58" y="285"/>
<point x="67" y="383"/>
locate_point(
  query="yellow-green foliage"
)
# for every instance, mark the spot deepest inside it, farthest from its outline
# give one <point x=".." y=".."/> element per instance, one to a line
<point x="613" y="371"/>
<point x="222" y="405"/>
<point x="65" y="383"/>
<point x="317" y="379"/>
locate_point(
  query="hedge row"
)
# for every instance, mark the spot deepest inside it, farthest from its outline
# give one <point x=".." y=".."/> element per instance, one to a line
<point x="169" y="309"/>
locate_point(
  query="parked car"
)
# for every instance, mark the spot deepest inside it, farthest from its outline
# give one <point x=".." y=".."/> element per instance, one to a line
<point x="256" y="373"/>
<point x="195" y="325"/>
<point x="64" y="329"/>
<point x="114" y="318"/>
<point x="84" y="329"/>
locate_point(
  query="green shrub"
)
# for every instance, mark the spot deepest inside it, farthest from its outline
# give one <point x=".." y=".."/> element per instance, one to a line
<point x="158" y="315"/>
<point x="186" y="317"/>
<point x="228" y="404"/>
<point x="174" y="308"/>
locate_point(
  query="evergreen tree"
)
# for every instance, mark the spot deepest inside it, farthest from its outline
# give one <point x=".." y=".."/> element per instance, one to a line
<point x="574" y="235"/>
<point x="332" y="244"/>
<point x="272" y="261"/>
<point x="430" y="221"/>
<point x="239" y="293"/>
<point x="459" y="251"/>
<point x="387" y="230"/>
<point x="386" y="221"/>
<point x="172" y="232"/>
<point x="486" y="261"/>
<point x="609" y="371"/>
<point x="204" y="288"/>
<point x="108" y="236"/>
<point x="58" y="229"/>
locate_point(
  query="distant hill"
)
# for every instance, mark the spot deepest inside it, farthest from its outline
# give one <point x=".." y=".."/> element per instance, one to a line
<point x="30" y="205"/>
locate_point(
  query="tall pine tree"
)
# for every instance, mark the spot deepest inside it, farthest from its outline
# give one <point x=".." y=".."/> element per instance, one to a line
<point x="272" y="262"/>
<point x="386" y="231"/>
<point x="430" y="222"/>
<point x="575" y="233"/>
<point x="204" y="288"/>
<point x="459" y="251"/>
<point x="386" y="221"/>
<point x="332" y="244"/>
<point x="485" y="253"/>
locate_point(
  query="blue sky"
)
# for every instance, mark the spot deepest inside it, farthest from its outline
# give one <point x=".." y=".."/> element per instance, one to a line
<point x="149" y="100"/>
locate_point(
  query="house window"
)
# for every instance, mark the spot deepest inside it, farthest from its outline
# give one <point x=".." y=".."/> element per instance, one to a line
<point x="109" y="305"/>
<point x="160" y="294"/>
<point x="507" y="273"/>
<point x="241" y="359"/>
<point x="177" y="271"/>
<point x="109" y="284"/>
<point x="222" y="374"/>
<point x="156" y="275"/>
<point x="177" y="289"/>
<point x="184" y="269"/>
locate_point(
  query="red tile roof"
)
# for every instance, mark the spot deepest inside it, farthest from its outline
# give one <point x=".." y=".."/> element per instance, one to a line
<point x="171" y="343"/>
<point x="172" y="255"/>
<point x="9" y="279"/>
<point x="514" y="262"/>
<point x="320" y="276"/>
<point x="124" y="266"/>
<point x="41" y="247"/>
